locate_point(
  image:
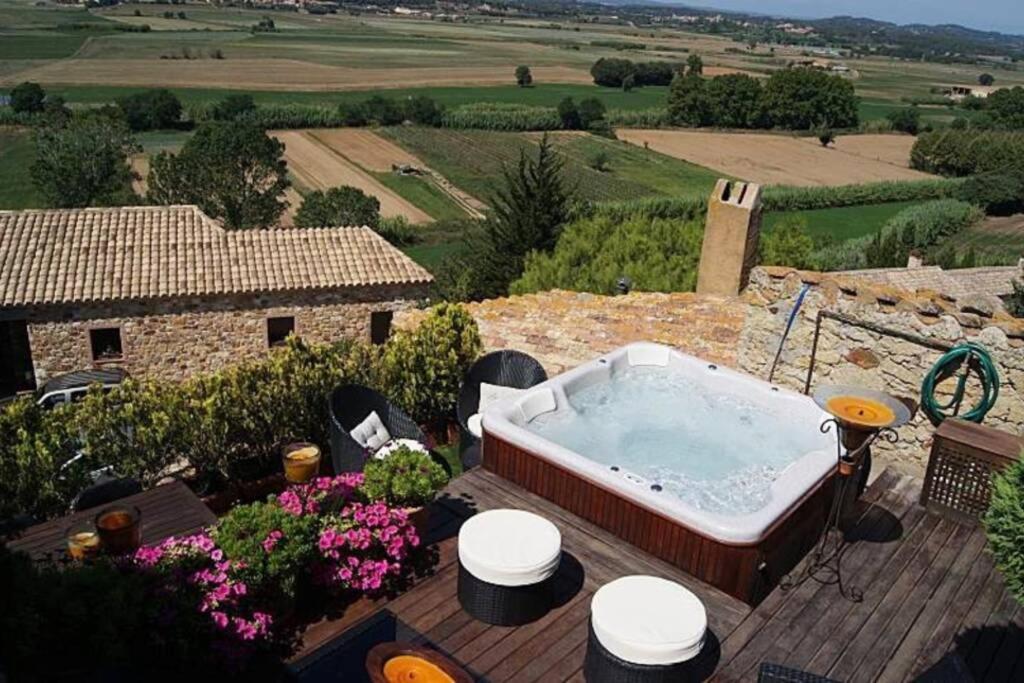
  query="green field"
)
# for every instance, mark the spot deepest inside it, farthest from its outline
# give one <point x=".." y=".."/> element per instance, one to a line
<point x="995" y="241"/>
<point x="473" y="161"/>
<point x="843" y="223"/>
<point x="16" y="155"/>
<point x="423" y="194"/>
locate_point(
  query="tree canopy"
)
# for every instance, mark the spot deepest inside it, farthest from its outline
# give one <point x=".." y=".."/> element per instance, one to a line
<point x="338" y="206"/>
<point x="523" y="76"/>
<point x="233" y="106"/>
<point x="1006" y="107"/>
<point x="27" y="97"/>
<point x="799" y="99"/>
<point x="84" y="162"/>
<point x="151" y="110"/>
<point x="232" y="171"/>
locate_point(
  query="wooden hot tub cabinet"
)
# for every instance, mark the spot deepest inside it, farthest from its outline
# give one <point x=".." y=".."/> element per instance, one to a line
<point x="747" y="572"/>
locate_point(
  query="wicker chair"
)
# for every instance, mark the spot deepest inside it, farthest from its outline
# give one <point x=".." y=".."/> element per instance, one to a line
<point x="105" y="491"/>
<point x="349" y="405"/>
<point x="773" y="673"/>
<point x="504" y="368"/>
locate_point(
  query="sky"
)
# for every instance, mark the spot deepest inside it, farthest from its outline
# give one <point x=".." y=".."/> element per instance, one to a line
<point x="1006" y="16"/>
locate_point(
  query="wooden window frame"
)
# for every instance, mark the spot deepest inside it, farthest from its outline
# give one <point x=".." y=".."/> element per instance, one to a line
<point x="92" y="346"/>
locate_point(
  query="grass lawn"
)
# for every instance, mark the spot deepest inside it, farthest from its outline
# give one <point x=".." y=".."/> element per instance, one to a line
<point x="154" y="141"/>
<point x="423" y="194"/>
<point x="16" y="155"/>
<point x="541" y="95"/>
<point x="842" y="223"/>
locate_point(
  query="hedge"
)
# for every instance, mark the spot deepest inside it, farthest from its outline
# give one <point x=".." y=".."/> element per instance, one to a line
<point x="217" y="422"/>
<point x="784" y="198"/>
<point x="654" y="117"/>
<point x="269" y="116"/>
<point x="1004" y="526"/>
<point x="501" y="116"/>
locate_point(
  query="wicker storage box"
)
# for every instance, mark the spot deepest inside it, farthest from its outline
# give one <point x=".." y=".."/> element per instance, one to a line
<point x="964" y="457"/>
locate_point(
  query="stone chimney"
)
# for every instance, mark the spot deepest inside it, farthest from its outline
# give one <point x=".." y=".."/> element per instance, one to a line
<point x="731" y="234"/>
<point x="915" y="260"/>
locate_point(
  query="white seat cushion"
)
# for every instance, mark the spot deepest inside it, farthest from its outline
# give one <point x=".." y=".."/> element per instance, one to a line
<point x="510" y="547"/>
<point x="648" y="620"/>
<point x="492" y="393"/>
<point x="394" y="444"/>
<point x="475" y="424"/>
<point x="371" y="433"/>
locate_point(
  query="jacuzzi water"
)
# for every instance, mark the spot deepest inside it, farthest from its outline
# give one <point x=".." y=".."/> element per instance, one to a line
<point x="714" y="451"/>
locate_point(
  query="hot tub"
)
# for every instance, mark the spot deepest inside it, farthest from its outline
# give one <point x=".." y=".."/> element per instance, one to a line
<point x="718" y="472"/>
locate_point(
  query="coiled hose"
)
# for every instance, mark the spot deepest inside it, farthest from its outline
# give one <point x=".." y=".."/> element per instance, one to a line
<point x="970" y="357"/>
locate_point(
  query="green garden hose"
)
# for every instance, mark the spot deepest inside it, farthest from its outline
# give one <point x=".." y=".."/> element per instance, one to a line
<point x="970" y="357"/>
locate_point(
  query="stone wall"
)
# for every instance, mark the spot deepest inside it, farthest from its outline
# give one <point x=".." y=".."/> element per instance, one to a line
<point x="851" y="355"/>
<point x="173" y="339"/>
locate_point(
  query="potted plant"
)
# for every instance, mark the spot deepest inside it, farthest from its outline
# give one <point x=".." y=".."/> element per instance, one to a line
<point x="406" y="478"/>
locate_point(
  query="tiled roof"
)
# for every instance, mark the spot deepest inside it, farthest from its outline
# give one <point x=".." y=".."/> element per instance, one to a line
<point x="956" y="284"/>
<point x="81" y="255"/>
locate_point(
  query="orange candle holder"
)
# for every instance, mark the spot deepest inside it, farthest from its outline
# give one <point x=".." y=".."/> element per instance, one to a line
<point x="301" y="462"/>
<point x="120" y="529"/>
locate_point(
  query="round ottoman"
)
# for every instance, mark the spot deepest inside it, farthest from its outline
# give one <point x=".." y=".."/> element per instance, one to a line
<point x="507" y="559"/>
<point x="644" y="630"/>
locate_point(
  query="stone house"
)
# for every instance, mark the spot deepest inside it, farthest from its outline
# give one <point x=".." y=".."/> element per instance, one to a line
<point x="167" y="292"/>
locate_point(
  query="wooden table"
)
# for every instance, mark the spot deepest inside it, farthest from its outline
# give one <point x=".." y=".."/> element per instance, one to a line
<point x="168" y="510"/>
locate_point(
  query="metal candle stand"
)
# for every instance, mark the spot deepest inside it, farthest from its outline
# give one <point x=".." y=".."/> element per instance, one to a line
<point x="853" y="447"/>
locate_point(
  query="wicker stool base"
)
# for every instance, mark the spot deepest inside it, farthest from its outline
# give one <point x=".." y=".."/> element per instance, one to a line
<point x="503" y="605"/>
<point x="601" y="666"/>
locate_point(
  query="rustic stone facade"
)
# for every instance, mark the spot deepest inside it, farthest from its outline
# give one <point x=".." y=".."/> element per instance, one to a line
<point x="175" y="338"/>
<point x="565" y="329"/>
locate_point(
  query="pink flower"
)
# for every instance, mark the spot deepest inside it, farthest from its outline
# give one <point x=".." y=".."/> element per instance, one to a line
<point x="271" y="540"/>
<point x="220" y="619"/>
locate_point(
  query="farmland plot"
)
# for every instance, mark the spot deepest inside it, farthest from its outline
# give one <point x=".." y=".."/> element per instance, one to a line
<point x="776" y="159"/>
<point x="317" y="167"/>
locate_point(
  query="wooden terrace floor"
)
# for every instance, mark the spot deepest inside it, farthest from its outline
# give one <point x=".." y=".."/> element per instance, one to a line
<point x="931" y="599"/>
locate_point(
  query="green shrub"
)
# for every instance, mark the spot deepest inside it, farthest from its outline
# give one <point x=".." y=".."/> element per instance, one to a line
<point x="1004" y="526"/>
<point x="1015" y="302"/>
<point x="150" y="110"/>
<point x="656" y="254"/>
<point x="243" y="535"/>
<point x="421" y="370"/>
<point x="655" y="117"/>
<point x="788" y="244"/>
<point x="404" y="479"/>
<point x="967" y="152"/>
<point x="271" y="116"/>
<point x="338" y="207"/>
<point x="397" y="231"/>
<point x="501" y="116"/>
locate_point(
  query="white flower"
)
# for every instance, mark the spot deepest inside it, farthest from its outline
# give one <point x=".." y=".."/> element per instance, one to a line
<point x="393" y="445"/>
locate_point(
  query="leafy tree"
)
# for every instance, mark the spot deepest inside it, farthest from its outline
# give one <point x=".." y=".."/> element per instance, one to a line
<point x="688" y="102"/>
<point x="56" y="111"/>
<point x="423" y="110"/>
<point x="1006" y="107"/>
<point x="84" y="162"/>
<point x="353" y="113"/>
<point x="337" y="207"/>
<point x="569" y="114"/>
<point x="799" y="99"/>
<point x="233" y="106"/>
<point x="383" y="110"/>
<point x="628" y="83"/>
<point x="905" y="120"/>
<point x="694" y="65"/>
<point x="523" y="76"/>
<point x="1000" y="194"/>
<point x="527" y="216"/>
<point x="232" y="171"/>
<point x="654" y="73"/>
<point x="27" y="97"/>
<point x="591" y="110"/>
<point x="735" y="101"/>
<point x="612" y="71"/>
<point x="986" y="79"/>
<point x="151" y="110"/>
<point x="788" y="244"/>
<point x="826" y="136"/>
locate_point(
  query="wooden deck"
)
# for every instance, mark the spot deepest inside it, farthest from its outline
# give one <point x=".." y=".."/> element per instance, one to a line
<point x="931" y="598"/>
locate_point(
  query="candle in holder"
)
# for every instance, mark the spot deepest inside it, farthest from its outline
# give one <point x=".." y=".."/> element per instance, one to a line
<point x="301" y="462"/>
<point x="83" y="541"/>
<point x="120" y="529"/>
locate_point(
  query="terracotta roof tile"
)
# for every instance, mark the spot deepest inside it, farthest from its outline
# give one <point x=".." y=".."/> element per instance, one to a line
<point x="79" y="255"/>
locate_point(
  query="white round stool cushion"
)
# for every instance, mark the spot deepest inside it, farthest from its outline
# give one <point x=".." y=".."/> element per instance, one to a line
<point x="510" y="547"/>
<point x="648" y="620"/>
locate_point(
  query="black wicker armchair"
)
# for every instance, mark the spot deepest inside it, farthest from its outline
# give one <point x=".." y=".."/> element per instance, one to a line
<point x="349" y="405"/>
<point x="105" y="491"/>
<point x="504" y="368"/>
